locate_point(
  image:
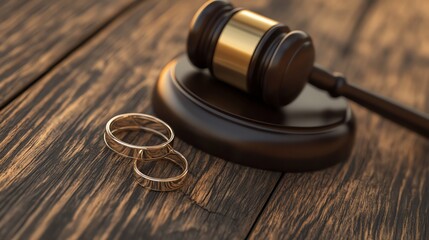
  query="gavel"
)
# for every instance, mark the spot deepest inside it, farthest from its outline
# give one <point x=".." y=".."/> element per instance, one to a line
<point x="272" y="62"/>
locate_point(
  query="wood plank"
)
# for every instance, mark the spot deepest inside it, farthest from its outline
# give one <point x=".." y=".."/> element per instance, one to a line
<point x="35" y="35"/>
<point x="382" y="191"/>
<point x="57" y="178"/>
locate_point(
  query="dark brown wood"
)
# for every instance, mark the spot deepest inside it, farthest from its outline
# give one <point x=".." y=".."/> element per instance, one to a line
<point x="35" y="35"/>
<point x="213" y="115"/>
<point x="382" y="192"/>
<point x="58" y="180"/>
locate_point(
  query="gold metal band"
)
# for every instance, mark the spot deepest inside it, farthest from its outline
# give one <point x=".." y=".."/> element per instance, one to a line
<point x="236" y="45"/>
<point x="163" y="184"/>
<point x="135" y="121"/>
<point x="145" y="154"/>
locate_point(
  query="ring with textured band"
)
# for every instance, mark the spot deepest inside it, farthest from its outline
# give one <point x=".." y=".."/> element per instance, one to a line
<point x="163" y="184"/>
<point x="138" y="121"/>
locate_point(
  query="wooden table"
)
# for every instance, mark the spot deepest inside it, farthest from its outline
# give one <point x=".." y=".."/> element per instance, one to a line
<point x="67" y="66"/>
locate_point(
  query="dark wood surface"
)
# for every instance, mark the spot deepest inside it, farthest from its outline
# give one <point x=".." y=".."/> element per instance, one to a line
<point x="36" y="35"/>
<point x="101" y="58"/>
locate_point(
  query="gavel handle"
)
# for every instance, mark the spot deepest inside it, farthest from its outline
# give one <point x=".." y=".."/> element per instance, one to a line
<point x="338" y="86"/>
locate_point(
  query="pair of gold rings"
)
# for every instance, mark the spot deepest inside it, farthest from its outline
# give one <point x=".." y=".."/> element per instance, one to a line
<point x="144" y="154"/>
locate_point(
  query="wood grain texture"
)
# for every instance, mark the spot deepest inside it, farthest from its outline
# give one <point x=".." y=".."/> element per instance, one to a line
<point x="36" y="34"/>
<point x="382" y="192"/>
<point x="57" y="178"/>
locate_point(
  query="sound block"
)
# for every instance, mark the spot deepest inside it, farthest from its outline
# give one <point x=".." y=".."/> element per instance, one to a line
<point x="313" y="132"/>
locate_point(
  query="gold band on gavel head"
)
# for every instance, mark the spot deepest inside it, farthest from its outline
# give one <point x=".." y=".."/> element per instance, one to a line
<point x="250" y="52"/>
<point x="236" y="45"/>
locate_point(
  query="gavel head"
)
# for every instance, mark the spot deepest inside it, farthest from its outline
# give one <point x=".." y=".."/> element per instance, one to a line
<point x="251" y="52"/>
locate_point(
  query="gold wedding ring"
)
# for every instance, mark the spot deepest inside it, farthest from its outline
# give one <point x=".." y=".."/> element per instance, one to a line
<point x="138" y="121"/>
<point x="164" y="184"/>
<point x="142" y="153"/>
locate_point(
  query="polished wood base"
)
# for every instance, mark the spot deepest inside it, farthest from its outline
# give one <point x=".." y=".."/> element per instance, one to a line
<point x="313" y="132"/>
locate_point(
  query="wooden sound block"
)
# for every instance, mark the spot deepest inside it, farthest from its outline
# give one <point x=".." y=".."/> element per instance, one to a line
<point x="313" y="132"/>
